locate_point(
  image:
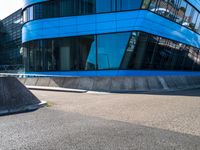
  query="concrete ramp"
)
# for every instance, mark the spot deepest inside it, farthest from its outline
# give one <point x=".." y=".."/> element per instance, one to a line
<point x="15" y="97"/>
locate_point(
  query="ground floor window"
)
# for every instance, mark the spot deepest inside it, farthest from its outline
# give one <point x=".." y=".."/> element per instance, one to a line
<point x="124" y="51"/>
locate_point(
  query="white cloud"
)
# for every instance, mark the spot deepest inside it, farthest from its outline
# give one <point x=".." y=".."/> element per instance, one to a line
<point x="7" y="7"/>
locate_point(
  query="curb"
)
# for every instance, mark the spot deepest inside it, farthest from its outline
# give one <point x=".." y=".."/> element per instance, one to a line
<point x="45" y="88"/>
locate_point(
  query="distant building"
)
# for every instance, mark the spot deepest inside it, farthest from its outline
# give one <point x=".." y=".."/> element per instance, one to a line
<point x="11" y="41"/>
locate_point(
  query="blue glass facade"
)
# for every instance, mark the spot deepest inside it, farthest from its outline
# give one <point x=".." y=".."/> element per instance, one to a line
<point x="96" y="35"/>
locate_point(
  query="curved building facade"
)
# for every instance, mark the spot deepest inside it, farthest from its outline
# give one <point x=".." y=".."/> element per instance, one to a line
<point x="111" y="35"/>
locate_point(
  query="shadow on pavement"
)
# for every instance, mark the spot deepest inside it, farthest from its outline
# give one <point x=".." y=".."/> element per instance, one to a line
<point x="53" y="129"/>
<point x="188" y="92"/>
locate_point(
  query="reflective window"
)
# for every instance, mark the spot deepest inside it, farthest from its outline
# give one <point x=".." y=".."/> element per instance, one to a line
<point x="176" y="10"/>
<point x="31" y="13"/>
<point x="60" y="8"/>
<point x="181" y="11"/>
<point x="128" y="50"/>
<point x="162" y="8"/>
<point x="194" y="16"/>
<point x="153" y="5"/>
<point x="67" y="8"/>
<point x="173" y="6"/>
<point x="103" y="6"/>
<point x="87" y="52"/>
<point x="25" y="16"/>
<point x="130" y="4"/>
<point x="111" y="48"/>
<point x="197" y="26"/>
<point x="127" y="62"/>
<point x="145" y="4"/>
<point x="187" y="18"/>
<point x="87" y="6"/>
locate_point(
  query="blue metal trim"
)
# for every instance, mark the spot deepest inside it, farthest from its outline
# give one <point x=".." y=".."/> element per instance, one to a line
<point x="140" y="20"/>
<point x="195" y="3"/>
<point x="30" y="2"/>
<point x="116" y="73"/>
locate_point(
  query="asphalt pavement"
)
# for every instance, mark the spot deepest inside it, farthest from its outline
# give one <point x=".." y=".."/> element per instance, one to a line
<point x="103" y="121"/>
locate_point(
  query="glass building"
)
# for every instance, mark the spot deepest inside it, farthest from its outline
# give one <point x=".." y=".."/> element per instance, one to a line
<point x="111" y="35"/>
<point x="11" y="42"/>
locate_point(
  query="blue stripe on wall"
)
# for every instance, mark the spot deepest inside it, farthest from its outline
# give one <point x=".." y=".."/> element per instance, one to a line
<point x="115" y="73"/>
<point x="141" y="20"/>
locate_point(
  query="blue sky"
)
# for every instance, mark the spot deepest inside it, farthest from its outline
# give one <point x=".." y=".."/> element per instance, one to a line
<point x="9" y="6"/>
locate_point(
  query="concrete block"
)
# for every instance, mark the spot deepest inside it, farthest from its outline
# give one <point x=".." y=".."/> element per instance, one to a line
<point x="22" y="80"/>
<point x="181" y="82"/>
<point x="31" y="81"/>
<point x="129" y="83"/>
<point x="102" y="84"/>
<point x="71" y="82"/>
<point x="118" y="84"/>
<point x="154" y="83"/>
<point x="86" y="83"/>
<point x="196" y="80"/>
<point x="15" y="97"/>
<point x="56" y="82"/>
<point x="169" y="80"/>
<point x="122" y="84"/>
<point x="141" y="84"/>
<point x="189" y="80"/>
<point x="43" y="82"/>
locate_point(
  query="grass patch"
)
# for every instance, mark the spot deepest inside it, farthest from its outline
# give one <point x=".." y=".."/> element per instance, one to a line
<point x="50" y="104"/>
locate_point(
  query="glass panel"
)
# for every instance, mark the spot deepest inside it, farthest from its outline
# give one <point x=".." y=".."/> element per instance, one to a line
<point x="87" y="6"/>
<point x="193" y="16"/>
<point x="67" y="7"/>
<point x="68" y="54"/>
<point x="50" y="55"/>
<point x="25" y="16"/>
<point x="103" y="6"/>
<point x="181" y="11"/>
<point x="140" y="50"/>
<point x="111" y="48"/>
<point x="187" y="19"/>
<point x="31" y="13"/>
<point x="87" y="52"/>
<point x="128" y="50"/>
<point x="38" y="11"/>
<point x="162" y="8"/>
<point x="173" y="6"/>
<point x="130" y="4"/>
<point x="145" y="4"/>
<point x="197" y="26"/>
<point x="153" y="5"/>
<point x="150" y="53"/>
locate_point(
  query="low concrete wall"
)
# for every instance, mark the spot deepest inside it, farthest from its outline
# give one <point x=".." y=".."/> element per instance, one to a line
<point x="118" y="84"/>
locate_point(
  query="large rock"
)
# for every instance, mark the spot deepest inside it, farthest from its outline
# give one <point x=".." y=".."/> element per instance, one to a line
<point x="15" y="97"/>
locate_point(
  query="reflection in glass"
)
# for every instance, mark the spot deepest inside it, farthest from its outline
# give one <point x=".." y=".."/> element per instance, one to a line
<point x="127" y="50"/>
<point x="111" y="48"/>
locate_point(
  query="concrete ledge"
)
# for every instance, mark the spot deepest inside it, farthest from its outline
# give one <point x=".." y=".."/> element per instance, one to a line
<point x="113" y="84"/>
